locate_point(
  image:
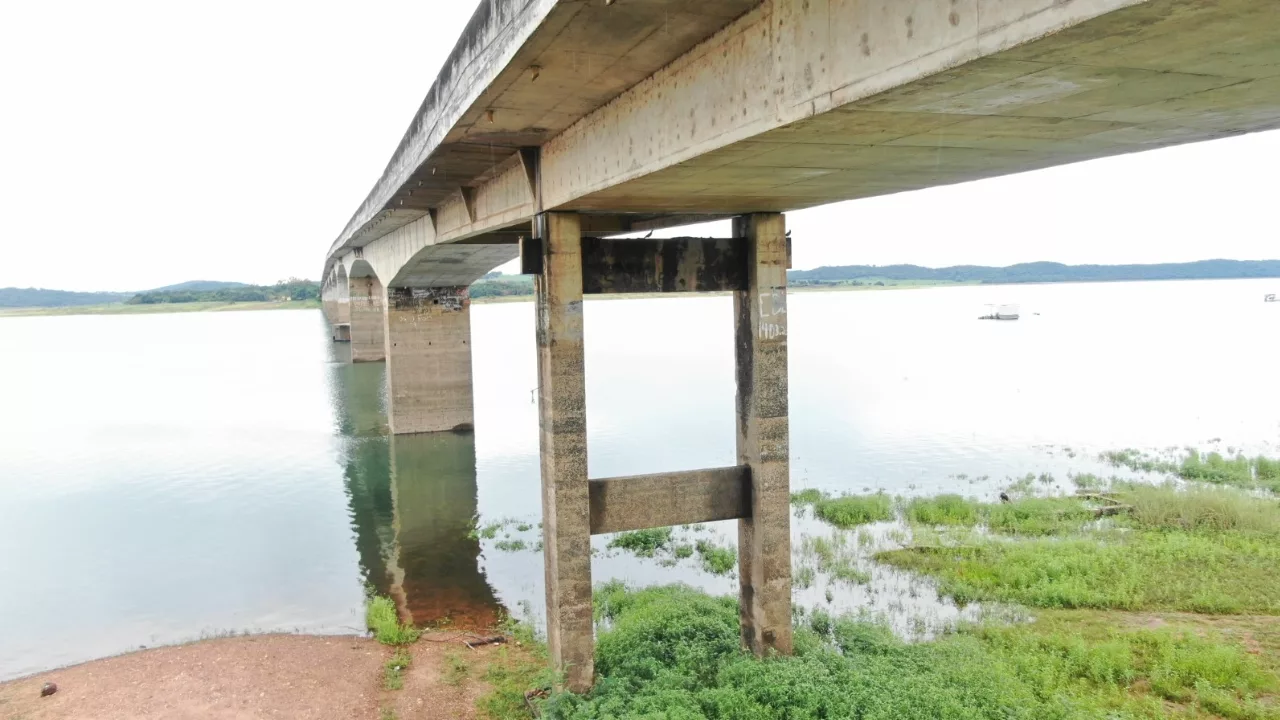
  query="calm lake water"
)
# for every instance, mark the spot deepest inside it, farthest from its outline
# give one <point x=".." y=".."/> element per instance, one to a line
<point x="167" y="477"/>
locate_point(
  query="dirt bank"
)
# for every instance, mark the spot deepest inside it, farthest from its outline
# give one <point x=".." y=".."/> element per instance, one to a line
<point x="266" y="676"/>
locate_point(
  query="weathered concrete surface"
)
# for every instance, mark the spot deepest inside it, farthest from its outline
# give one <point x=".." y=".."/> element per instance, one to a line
<point x="667" y="265"/>
<point x="667" y="499"/>
<point x="664" y="110"/>
<point x="522" y="72"/>
<point x="428" y="336"/>
<point x="760" y="348"/>
<point x="562" y="413"/>
<point x="368" y="321"/>
<point x="805" y="102"/>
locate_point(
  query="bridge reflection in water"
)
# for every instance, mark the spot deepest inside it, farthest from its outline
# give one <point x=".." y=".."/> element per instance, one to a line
<point x="412" y="499"/>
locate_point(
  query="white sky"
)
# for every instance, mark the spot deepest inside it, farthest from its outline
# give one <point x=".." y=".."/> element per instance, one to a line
<point x="144" y="143"/>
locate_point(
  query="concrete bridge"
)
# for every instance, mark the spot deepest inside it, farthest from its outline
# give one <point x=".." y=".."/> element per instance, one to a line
<point x="557" y="125"/>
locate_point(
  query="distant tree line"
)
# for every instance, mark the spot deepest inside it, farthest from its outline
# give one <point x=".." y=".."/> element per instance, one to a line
<point x="291" y="289"/>
<point x="1037" y="272"/>
<point x="498" y="285"/>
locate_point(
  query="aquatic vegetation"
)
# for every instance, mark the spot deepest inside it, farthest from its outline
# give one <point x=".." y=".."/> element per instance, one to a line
<point x="1037" y="516"/>
<point x="510" y="545"/>
<point x="682" y="551"/>
<point x="846" y="511"/>
<point x="942" y="510"/>
<point x="853" y="510"/>
<point x="1025" y="516"/>
<point x="834" y="556"/>
<point x="384" y="622"/>
<point x="1238" y="470"/>
<point x="1199" y="509"/>
<point x="644" y="543"/>
<point x="806" y="497"/>
<point x="716" y="559"/>
<point x="1213" y="467"/>
<point x="1138" y="461"/>
<point x="1200" y="550"/>
<point x="674" y="652"/>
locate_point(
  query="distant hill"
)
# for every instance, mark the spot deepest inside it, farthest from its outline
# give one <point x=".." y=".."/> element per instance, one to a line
<point x="197" y="286"/>
<point x="1037" y="272"/>
<point x="39" y="297"/>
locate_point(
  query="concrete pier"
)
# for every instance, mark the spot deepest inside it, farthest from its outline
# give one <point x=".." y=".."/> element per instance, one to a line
<point x="756" y="491"/>
<point x="428" y="353"/>
<point x="760" y="347"/>
<point x="368" y="321"/>
<point x="562" y="415"/>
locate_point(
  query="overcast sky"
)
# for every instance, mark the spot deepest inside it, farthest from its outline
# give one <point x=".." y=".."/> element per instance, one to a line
<point x="146" y="143"/>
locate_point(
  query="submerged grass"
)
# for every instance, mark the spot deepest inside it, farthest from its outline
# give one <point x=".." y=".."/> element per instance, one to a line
<point x="846" y="511"/>
<point x="1212" y="467"/>
<point x="1025" y="516"/>
<point x="674" y="652"/>
<point x="716" y="559"/>
<point x="1199" y="550"/>
<point x="644" y="543"/>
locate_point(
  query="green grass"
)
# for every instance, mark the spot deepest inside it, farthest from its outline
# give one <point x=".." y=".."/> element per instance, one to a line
<point x="834" y="556"/>
<point x="510" y="545"/>
<point x="383" y="621"/>
<point x="456" y="669"/>
<point x="853" y="510"/>
<point x="643" y="543"/>
<point x="1212" y="467"/>
<point x="716" y="559"/>
<point x="943" y="510"/>
<point x="674" y="652"/>
<point x="393" y="669"/>
<point x="1025" y="516"/>
<point x="1201" y="550"/>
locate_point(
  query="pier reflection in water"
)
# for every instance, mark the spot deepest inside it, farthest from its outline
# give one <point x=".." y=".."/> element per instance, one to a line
<point x="412" y="502"/>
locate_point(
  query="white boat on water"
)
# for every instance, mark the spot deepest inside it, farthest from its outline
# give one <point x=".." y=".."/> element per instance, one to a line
<point x="1001" y="312"/>
<point x="1270" y="298"/>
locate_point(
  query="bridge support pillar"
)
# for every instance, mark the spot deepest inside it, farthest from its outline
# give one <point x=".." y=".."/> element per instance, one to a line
<point x="368" y="324"/>
<point x="562" y="415"/>
<point x="428" y="353"/>
<point x="760" y="348"/>
<point x="756" y="491"/>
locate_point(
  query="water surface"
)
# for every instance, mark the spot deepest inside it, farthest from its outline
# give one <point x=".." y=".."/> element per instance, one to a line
<point x="164" y="477"/>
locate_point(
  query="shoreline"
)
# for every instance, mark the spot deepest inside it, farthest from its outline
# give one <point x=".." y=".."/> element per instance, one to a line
<point x="158" y="308"/>
<point x="269" y="676"/>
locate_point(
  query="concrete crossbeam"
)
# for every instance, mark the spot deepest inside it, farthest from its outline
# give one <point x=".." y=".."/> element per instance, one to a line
<point x="764" y="538"/>
<point x="428" y="346"/>
<point x="562" y="413"/>
<point x="666" y="499"/>
<point x="674" y="265"/>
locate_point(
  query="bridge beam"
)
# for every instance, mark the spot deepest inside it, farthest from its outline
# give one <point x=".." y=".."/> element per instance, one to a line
<point x="428" y="354"/>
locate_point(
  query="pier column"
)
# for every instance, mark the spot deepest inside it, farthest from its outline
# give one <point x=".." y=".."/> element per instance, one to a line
<point x="764" y="538"/>
<point x="562" y="413"/>
<point x="342" y="309"/>
<point x="428" y="353"/>
<point x="368" y="327"/>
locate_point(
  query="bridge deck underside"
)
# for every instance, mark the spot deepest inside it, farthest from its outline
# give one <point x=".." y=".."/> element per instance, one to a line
<point x="1156" y="74"/>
